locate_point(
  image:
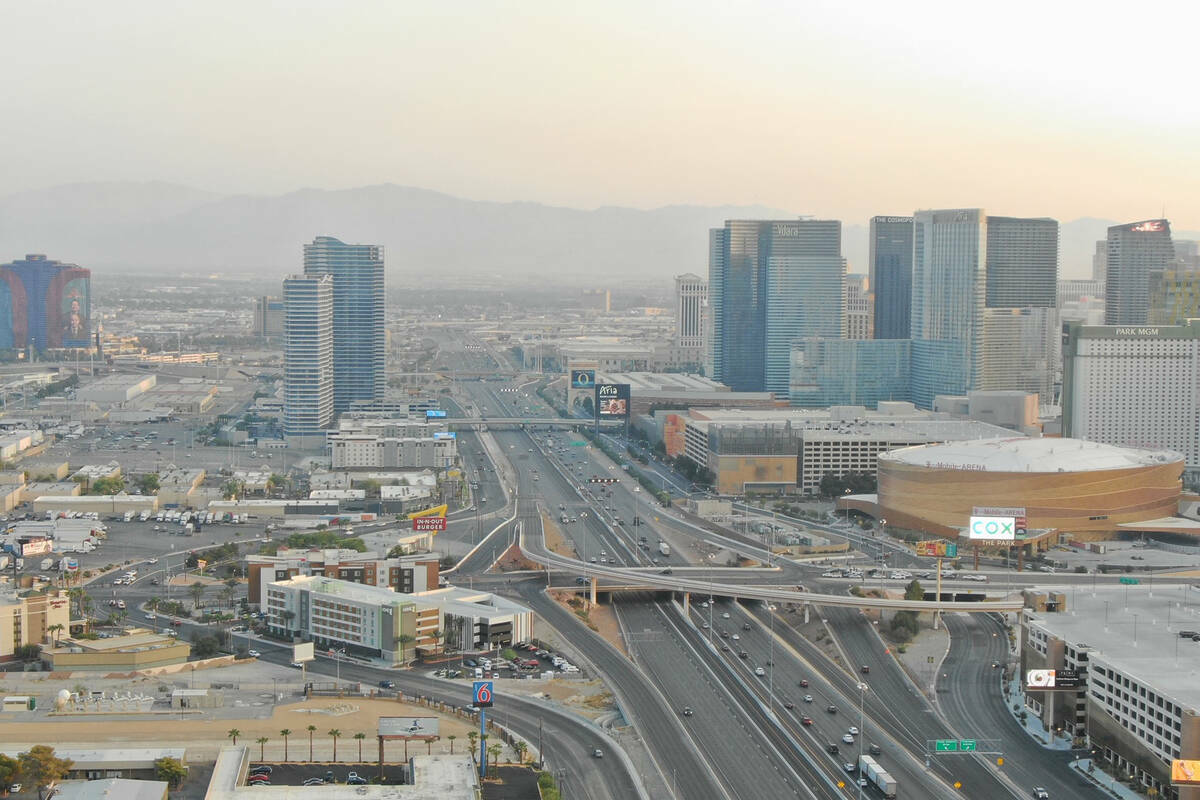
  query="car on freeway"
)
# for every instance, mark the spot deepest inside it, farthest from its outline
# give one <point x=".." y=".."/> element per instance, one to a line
<point x="253" y="653"/>
<point x="788" y="704"/>
<point x="847" y="738"/>
<point x="725" y="615"/>
<point x="804" y="683"/>
<point x="806" y="720"/>
<point x="597" y="753"/>
<point x="848" y="767"/>
<point x="745" y="626"/>
<point x="1040" y="794"/>
<point x="687" y="711"/>
<point x="832" y="709"/>
<point x="759" y="671"/>
<point x="853" y="730"/>
<point x="725" y="648"/>
<point x="865" y="669"/>
<point x="808" y="698"/>
<point x="743" y="654"/>
<point x="874" y="749"/>
<point x="387" y="684"/>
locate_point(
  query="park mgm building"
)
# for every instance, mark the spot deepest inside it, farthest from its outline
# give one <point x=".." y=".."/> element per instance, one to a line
<point x="378" y="623"/>
<point x="1138" y="705"/>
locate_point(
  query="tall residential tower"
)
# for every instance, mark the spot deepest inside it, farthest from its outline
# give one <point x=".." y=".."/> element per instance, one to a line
<point x="358" y="332"/>
<point x="891" y="275"/>
<point x="1136" y="251"/>
<point x="308" y="359"/>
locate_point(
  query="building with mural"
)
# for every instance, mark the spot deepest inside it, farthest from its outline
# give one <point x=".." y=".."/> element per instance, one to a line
<point x="44" y="304"/>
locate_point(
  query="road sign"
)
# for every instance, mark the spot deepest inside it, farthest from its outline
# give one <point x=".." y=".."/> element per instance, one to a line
<point x="481" y="694"/>
<point x="946" y="745"/>
<point x="1130" y="581"/>
<point x="967" y="745"/>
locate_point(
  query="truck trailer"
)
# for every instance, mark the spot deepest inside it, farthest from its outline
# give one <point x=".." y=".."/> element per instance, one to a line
<point x="869" y="768"/>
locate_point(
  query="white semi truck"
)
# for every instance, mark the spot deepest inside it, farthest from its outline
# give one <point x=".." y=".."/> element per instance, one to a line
<point x="664" y="548"/>
<point x="869" y="768"/>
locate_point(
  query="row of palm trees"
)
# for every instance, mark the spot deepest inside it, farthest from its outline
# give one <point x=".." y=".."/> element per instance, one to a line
<point x="493" y="750"/>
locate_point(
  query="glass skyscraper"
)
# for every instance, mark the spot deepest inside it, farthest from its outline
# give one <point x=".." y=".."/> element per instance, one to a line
<point x="1137" y="253"/>
<point x="1022" y="262"/>
<point x="358" y="333"/>
<point x="891" y="275"/>
<point x="771" y="282"/>
<point x="838" y="372"/>
<point x="948" y="289"/>
<point x="307" y="358"/>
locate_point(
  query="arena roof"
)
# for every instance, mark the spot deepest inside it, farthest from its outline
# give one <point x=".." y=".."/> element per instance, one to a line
<point x="1019" y="454"/>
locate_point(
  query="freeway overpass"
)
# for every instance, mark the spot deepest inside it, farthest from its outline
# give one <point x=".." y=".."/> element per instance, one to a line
<point x="660" y="582"/>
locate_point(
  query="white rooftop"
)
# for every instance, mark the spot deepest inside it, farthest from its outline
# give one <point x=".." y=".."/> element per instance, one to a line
<point x="1020" y="454"/>
<point x="111" y="789"/>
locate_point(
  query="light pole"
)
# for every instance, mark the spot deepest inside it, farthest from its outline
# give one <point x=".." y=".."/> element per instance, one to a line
<point x="862" y="731"/>
<point x="711" y="556"/>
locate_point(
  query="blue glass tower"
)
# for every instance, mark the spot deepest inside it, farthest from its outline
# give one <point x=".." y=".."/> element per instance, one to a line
<point x="891" y="275"/>
<point x="771" y="282"/>
<point x="358" y="333"/>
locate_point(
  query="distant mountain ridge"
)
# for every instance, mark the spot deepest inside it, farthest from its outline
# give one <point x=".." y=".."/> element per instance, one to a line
<point x="170" y="229"/>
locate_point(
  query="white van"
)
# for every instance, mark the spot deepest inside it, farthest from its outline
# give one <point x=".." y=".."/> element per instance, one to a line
<point x="479" y="673"/>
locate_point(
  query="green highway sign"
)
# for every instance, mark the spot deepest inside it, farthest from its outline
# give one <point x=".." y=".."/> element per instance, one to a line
<point x="580" y="443"/>
<point x="951" y="551"/>
<point x="966" y="745"/>
<point x="1130" y="581"/>
<point x="946" y="745"/>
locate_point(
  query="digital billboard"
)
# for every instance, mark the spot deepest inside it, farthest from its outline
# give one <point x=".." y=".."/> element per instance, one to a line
<point x="1020" y="524"/>
<point x="445" y="435"/>
<point x="612" y="400"/>
<point x="992" y="529"/>
<point x="1040" y="680"/>
<point x="583" y="378"/>
<point x="1149" y="226"/>
<point x="937" y="548"/>
<point x="1185" y="772"/>
<point x="435" y="412"/>
<point x="44" y="303"/>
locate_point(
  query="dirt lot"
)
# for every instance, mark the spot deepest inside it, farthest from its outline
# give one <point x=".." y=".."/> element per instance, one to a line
<point x="555" y="541"/>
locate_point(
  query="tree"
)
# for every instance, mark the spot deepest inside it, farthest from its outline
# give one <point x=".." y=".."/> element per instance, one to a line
<point x="56" y="629"/>
<point x="233" y="733"/>
<point x="311" y="730"/>
<point x="113" y="485"/>
<point x="10" y="768"/>
<point x="521" y="749"/>
<point x="473" y="739"/>
<point x="153" y="603"/>
<point x="334" y="734"/>
<point x="360" y="736"/>
<point x="205" y="645"/>
<point x="262" y="747"/>
<point x="285" y="733"/>
<point x="147" y="484"/>
<point x="42" y="768"/>
<point x="27" y="652"/>
<point x="197" y="591"/>
<point x="170" y="770"/>
<point x="494" y="757"/>
<point x="451" y="737"/>
<point x="232" y="488"/>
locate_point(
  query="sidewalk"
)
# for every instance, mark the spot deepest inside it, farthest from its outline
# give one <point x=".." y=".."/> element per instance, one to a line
<point x="1033" y="725"/>
<point x="1104" y="781"/>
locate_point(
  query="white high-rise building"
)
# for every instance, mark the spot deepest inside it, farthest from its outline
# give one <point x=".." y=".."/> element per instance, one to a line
<point x="691" y="296"/>
<point x="859" y="317"/>
<point x="1135" y="386"/>
<point x="308" y="358"/>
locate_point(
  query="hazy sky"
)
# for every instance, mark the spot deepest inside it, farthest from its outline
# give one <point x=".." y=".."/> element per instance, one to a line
<point x="834" y="108"/>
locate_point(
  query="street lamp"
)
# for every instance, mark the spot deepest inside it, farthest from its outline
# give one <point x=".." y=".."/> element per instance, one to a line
<point x="862" y="730"/>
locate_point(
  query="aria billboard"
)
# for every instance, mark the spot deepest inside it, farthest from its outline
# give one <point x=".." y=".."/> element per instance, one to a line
<point x="612" y="400"/>
<point x="44" y="304"/>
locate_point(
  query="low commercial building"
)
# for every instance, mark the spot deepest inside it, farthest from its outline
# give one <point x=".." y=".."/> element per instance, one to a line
<point x="90" y="473"/>
<point x="32" y="491"/>
<point x="791" y="450"/>
<point x="379" y="623"/>
<point x="177" y="486"/>
<point x="414" y="573"/>
<point x="11" y="496"/>
<point x="1138" y="704"/>
<point x="116" y="389"/>
<point x="134" y="763"/>
<point x="183" y="398"/>
<point x="139" y="648"/>
<point x="100" y="503"/>
<point x="26" y="618"/>
<point x="111" y="789"/>
<point x="366" y="451"/>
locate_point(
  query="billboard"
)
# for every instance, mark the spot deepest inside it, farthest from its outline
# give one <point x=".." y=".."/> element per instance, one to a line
<point x="1149" y="226"/>
<point x="44" y="303"/>
<point x="445" y="435"/>
<point x="434" y="413"/>
<point x="1020" y="524"/>
<point x="583" y="378"/>
<point x="1040" y="680"/>
<point x="482" y="695"/>
<point x="303" y="652"/>
<point x="992" y="529"/>
<point x="408" y="727"/>
<point x="612" y="400"/>
<point x="37" y="548"/>
<point x="937" y="548"/>
<point x="429" y="523"/>
<point x="1185" y="772"/>
<point x="69" y="565"/>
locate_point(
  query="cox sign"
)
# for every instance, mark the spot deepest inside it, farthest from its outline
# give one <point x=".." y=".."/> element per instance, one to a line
<point x="994" y="528"/>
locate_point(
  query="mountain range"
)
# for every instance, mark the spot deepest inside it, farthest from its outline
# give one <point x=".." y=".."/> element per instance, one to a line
<point x="126" y="227"/>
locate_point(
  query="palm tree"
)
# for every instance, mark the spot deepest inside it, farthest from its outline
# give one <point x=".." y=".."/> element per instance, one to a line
<point x="452" y="737"/>
<point x="153" y="603"/>
<point x="233" y="733"/>
<point x="197" y="591"/>
<point x="286" y="732"/>
<point x="311" y="730"/>
<point x="473" y="738"/>
<point x="334" y="734"/>
<point x="57" y="630"/>
<point x="360" y="736"/>
<point x="494" y="752"/>
<point x="226" y="595"/>
<point x="262" y="748"/>
<point x="521" y="748"/>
